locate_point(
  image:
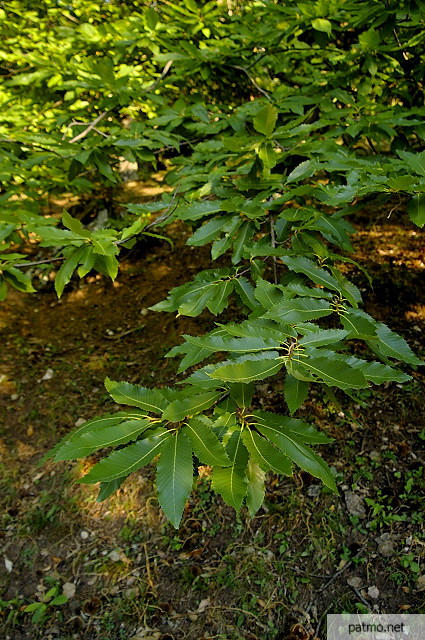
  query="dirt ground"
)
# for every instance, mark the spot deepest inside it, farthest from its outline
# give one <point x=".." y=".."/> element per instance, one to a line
<point x="125" y="572"/>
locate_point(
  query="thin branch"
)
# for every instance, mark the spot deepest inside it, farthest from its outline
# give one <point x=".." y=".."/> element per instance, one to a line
<point x="89" y="128"/>
<point x="234" y="66"/>
<point x="37" y="262"/>
<point x="163" y="74"/>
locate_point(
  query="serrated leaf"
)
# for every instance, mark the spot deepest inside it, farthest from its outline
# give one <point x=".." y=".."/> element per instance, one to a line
<point x="74" y="225"/>
<point x="416" y="209"/>
<point x="181" y="408"/>
<point x="150" y="400"/>
<point x="174" y="476"/>
<point x="245" y="291"/>
<point x="206" y="446"/>
<point x="106" y="489"/>
<point x="265" y="120"/>
<point x="377" y="372"/>
<point x="358" y="324"/>
<point x="216" y="343"/>
<point x="295" y="392"/>
<point x="332" y="372"/>
<point x="305" y="169"/>
<point x="197" y="210"/>
<point x="242" y="393"/>
<point x="256" y="487"/>
<point x="118" y="434"/>
<point x="320" y="276"/>
<point x="391" y="345"/>
<point x="242" y="239"/>
<point x="230" y="482"/>
<point x="208" y="231"/>
<point x="124" y="461"/>
<point x="64" y="274"/>
<point x="267" y="294"/>
<point x="323" y="337"/>
<point x="300" y="454"/>
<point x="265" y="454"/>
<point x="218" y="301"/>
<point x="299" y="310"/>
<point x="249" y="368"/>
<point x="292" y="426"/>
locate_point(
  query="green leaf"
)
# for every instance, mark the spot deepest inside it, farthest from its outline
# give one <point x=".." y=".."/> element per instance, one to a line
<point x="299" y="310"/>
<point x="180" y="409"/>
<point x="256" y="487"/>
<point x="17" y="279"/>
<point x="358" y="323"/>
<point x="304" y="170"/>
<point x="218" y="301"/>
<point x="63" y="276"/>
<point x="61" y="599"/>
<point x="293" y="447"/>
<point x="295" y="392"/>
<point x="208" y="231"/>
<point x="293" y="427"/>
<point x="265" y="120"/>
<point x="124" y="461"/>
<point x="108" y="488"/>
<point x="74" y="225"/>
<point x="416" y="209"/>
<point x="104" y="245"/>
<point x="322" y="337"/>
<point x="206" y="446"/>
<point x="150" y="400"/>
<point x="309" y="268"/>
<point x="391" y="345"/>
<point x="231" y="482"/>
<point x="118" y="434"/>
<point x="321" y="24"/>
<point x="377" y="372"/>
<point x="242" y="393"/>
<point x="175" y="476"/>
<point x="267" y="294"/>
<point x="249" y="368"/>
<point x="245" y="291"/>
<point x="332" y="372"/>
<point x="265" y="454"/>
<point x="197" y="210"/>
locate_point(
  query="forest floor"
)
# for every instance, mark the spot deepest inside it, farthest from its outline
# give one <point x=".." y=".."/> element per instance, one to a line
<point x="125" y="572"/>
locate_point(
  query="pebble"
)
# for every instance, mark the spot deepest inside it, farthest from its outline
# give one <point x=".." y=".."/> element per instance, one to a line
<point x="48" y="375"/>
<point x="355" y="505"/>
<point x="79" y="422"/>
<point x="420" y="583"/>
<point x="14" y="396"/>
<point x="373" y="592"/>
<point x="354" y="581"/>
<point x="84" y="535"/>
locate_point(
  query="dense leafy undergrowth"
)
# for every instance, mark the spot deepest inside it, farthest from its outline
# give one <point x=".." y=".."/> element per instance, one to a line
<point x="275" y="123"/>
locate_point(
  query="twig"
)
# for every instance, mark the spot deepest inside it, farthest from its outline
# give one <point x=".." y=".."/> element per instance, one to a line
<point x="360" y="597"/>
<point x="34" y="264"/>
<point x="163" y="74"/>
<point x="235" y="66"/>
<point x="338" y="573"/>
<point x="89" y="128"/>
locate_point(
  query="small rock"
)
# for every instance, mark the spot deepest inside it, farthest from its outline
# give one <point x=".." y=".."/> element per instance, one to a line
<point x="192" y="617"/>
<point x="79" y="422"/>
<point x="373" y="592"/>
<point x="14" y="396"/>
<point x="69" y="589"/>
<point x="114" y="555"/>
<point x="144" y="312"/>
<point x="386" y="549"/>
<point x="314" y="490"/>
<point x="84" y="535"/>
<point x="203" y="605"/>
<point x="354" y="581"/>
<point x="48" y="375"/>
<point x="8" y="564"/>
<point x="354" y="503"/>
<point x="420" y="583"/>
